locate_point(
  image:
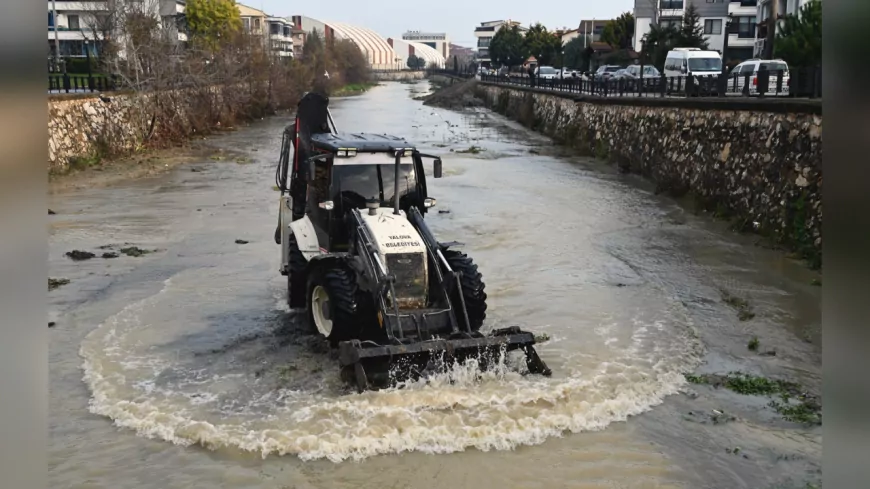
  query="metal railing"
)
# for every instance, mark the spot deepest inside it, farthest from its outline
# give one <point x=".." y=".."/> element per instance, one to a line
<point x="454" y="73"/>
<point x="803" y="83"/>
<point x="67" y="83"/>
<point x="394" y="70"/>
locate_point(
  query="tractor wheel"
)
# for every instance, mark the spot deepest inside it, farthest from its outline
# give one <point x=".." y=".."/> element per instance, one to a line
<point x="472" y="289"/>
<point x="296" y="276"/>
<point x="332" y="305"/>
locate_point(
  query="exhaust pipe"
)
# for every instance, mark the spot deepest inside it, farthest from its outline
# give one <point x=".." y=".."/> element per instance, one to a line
<point x="396" y="183"/>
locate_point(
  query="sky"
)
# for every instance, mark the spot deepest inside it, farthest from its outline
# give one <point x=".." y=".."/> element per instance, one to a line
<point x="458" y="18"/>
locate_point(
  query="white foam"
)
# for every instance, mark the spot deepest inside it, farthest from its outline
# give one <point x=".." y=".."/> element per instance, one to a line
<point x="449" y="412"/>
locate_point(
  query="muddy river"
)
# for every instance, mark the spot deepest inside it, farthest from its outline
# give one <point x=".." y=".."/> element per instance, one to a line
<point x="184" y="368"/>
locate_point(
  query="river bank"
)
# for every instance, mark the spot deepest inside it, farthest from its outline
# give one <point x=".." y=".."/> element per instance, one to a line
<point x="96" y="168"/>
<point x="753" y="163"/>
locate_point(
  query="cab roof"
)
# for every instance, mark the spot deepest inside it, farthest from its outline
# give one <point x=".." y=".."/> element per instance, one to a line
<point x="362" y="142"/>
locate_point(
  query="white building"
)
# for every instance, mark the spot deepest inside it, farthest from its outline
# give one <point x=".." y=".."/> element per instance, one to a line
<point x="378" y="52"/>
<point x="404" y="49"/>
<point x="741" y="37"/>
<point x="281" y="36"/>
<point x="77" y="26"/>
<point x="70" y="24"/>
<point x="590" y="29"/>
<point x="435" y="40"/>
<point x="277" y="32"/>
<point x="714" y="15"/>
<point x="484" y="34"/>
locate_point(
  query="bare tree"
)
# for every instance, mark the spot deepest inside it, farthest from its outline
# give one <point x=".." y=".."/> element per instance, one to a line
<point x="179" y="88"/>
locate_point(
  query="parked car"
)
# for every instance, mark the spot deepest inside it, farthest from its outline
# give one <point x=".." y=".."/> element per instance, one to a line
<point x="606" y="71"/>
<point x="547" y="73"/>
<point x="649" y="71"/>
<point x="751" y="67"/>
<point x="693" y="61"/>
<point x="619" y="74"/>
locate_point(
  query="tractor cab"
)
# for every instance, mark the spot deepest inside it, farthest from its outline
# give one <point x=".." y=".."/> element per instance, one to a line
<point x="366" y="172"/>
<point x="334" y="172"/>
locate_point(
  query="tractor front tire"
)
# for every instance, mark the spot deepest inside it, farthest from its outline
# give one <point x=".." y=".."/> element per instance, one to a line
<point x="297" y="275"/>
<point x="472" y="289"/>
<point x="333" y="309"/>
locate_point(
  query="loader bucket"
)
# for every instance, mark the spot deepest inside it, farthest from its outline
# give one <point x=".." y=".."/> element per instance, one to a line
<point x="369" y="365"/>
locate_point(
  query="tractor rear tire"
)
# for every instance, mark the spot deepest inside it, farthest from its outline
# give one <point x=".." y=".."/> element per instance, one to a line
<point x="333" y="309"/>
<point x="472" y="289"/>
<point x="297" y="275"/>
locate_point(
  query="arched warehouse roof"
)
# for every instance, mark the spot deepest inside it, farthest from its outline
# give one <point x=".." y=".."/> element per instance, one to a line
<point x="405" y="48"/>
<point x="379" y="53"/>
<point x="428" y="53"/>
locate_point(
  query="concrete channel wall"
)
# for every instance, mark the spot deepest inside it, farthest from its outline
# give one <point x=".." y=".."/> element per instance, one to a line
<point x="756" y="162"/>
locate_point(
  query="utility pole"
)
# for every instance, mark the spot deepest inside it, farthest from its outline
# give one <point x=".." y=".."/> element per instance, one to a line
<point x="771" y="29"/>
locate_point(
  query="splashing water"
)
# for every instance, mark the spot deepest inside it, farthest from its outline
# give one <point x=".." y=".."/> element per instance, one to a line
<point x="145" y="375"/>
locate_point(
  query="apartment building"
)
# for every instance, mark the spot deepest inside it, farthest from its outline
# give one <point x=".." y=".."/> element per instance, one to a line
<point x="484" y="34"/>
<point x="76" y="28"/>
<point x="589" y="29"/>
<point x="435" y="40"/>
<point x="714" y="18"/>
<point x="277" y="32"/>
<point x="741" y="36"/>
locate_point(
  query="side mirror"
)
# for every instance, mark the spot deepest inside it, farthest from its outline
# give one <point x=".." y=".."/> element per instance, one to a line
<point x="437" y="168"/>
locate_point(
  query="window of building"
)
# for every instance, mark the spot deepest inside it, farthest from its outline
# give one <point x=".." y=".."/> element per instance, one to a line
<point x="256" y="25"/>
<point x="670" y="22"/>
<point x="745" y="27"/>
<point x="713" y="26"/>
<point x="72" y="22"/>
<point x="246" y="22"/>
<point x="671" y="4"/>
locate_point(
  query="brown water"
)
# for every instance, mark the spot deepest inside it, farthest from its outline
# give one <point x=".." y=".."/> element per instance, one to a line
<point x="183" y="368"/>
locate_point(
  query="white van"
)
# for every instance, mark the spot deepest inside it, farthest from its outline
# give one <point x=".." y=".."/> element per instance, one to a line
<point x="693" y="61"/>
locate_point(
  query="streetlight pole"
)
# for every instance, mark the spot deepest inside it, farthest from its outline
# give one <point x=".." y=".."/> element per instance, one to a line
<point x="88" y="55"/>
<point x="729" y="22"/>
<point x="56" y="40"/>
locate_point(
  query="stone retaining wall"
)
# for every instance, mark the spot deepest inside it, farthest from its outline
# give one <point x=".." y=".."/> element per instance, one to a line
<point x="109" y="124"/>
<point x="398" y="75"/>
<point x="758" y="163"/>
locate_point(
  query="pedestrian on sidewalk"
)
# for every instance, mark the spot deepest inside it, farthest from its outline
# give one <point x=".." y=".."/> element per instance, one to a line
<point x="531" y="75"/>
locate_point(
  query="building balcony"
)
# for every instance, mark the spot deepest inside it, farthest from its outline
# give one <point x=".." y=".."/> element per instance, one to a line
<point x="87" y="6"/>
<point x="64" y="34"/>
<point x="736" y="9"/>
<point x="737" y="41"/>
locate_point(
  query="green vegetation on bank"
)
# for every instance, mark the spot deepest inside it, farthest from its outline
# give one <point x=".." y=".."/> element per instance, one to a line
<point x="788" y="399"/>
<point x="354" y="88"/>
